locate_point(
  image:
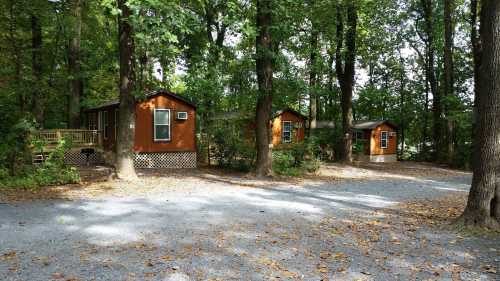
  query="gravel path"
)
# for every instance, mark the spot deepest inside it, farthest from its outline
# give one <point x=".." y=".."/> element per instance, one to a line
<point x="209" y="229"/>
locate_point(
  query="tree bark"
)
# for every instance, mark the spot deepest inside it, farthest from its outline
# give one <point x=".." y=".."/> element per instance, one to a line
<point x="448" y="79"/>
<point x="483" y="206"/>
<point x="37" y="69"/>
<point x="437" y="109"/>
<point x="313" y="74"/>
<point x="345" y="74"/>
<point x="74" y="66"/>
<point x="476" y="54"/>
<point x="402" y="102"/>
<point x="264" y="69"/>
<point x="126" y="122"/>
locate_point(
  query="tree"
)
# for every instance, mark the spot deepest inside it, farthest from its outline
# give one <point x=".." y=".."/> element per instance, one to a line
<point x="437" y="110"/>
<point x="448" y="78"/>
<point x="264" y="67"/>
<point x="126" y="120"/>
<point x="74" y="65"/>
<point x="313" y="72"/>
<point x="345" y="73"/>
<point x="37" y="68"/>
<point x="483" y="205"/>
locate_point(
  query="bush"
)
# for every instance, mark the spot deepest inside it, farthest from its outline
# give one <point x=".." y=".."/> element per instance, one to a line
<point x="231" y="150"/>
<point x="298" y="159"/>
<point x="51" y="172"/>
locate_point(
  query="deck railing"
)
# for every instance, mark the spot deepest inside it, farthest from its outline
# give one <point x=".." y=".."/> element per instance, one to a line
<point x="77" y="137"/>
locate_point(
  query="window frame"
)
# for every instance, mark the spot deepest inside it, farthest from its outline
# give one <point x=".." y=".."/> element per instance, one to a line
<point x="382" y="139"/>
<point x="283" y="131"/>
<point x="169" y="125"/>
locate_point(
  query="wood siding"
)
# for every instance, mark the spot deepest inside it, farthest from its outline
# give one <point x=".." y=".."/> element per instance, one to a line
<point x="182" y="132"/>
<point x="375" y="148"/>
<point x="298" y="134"/>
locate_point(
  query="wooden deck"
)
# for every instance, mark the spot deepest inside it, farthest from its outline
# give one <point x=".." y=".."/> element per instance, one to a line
<point x="79" y="138"/>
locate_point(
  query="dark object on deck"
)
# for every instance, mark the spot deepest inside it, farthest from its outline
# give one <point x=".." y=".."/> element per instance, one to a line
<point x="87" y="152"/>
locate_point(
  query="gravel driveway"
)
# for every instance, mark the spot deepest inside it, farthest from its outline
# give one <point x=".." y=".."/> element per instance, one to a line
<point x="208" y="228"/>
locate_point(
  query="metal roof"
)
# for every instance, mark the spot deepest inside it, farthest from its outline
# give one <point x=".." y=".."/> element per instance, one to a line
<point x="371" y="124"/>
<point x="147" y="96"/>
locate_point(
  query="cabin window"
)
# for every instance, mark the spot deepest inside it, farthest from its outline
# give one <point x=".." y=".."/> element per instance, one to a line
<point x="287" y="132"/>
<point x="161" y="124"/>
<point x="384" y="138"/>
<point x="105" y="124"/>
<point x="92" y="117"/>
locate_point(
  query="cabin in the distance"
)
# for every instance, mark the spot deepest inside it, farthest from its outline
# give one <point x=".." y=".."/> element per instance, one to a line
<point x="165" y="130"/>
<point x="288" y="126"/>
<point x="377" y="140"/>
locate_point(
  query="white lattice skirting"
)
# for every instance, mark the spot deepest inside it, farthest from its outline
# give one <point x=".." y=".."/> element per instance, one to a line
<point x="76" y="158"/>
<point x="175" y="160"/>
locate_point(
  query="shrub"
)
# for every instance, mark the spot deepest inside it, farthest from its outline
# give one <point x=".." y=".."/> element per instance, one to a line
<point x="297" y="159"/>
<point x="51" y="172"/>
<point x="231" y="150"/>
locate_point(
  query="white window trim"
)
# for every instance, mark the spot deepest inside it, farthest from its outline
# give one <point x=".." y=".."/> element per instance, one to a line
<point x="169" y="124"/>
<point x="386" y="139"/>
<point x="283" y="132"/>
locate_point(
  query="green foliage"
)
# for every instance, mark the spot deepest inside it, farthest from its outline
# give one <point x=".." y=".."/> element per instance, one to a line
<point x="52" y="171"/>
<point x="231" y="150"/>
<point x="297" y="159"/>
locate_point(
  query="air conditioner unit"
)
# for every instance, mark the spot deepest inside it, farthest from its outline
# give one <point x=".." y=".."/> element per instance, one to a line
<point x="182" y="115"/>
<point x="392" y="134"/>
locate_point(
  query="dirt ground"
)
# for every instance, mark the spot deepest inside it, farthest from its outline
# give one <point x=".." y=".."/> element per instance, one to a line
<point x="365" y="222"/>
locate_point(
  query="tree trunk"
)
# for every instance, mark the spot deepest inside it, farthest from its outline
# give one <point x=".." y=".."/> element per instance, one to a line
<point x="483" y="206"/>
<point x="126" y="123"/>
<point x="37" y="68"/>
<point x="437" y="109"/>
<point x="313" y="74"/>
<point x="345" y="74"/>
<point x="74" y="67"/>
<point x="265" y="83"/>
<point x="402" y="103"/>
<point x="448" y="78"/>
<point x="476" y="55"/>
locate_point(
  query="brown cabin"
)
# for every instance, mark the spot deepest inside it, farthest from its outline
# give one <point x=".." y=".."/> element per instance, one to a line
<point x="288" y="126"/>
<point x="165" y="130"/>
<point x="379" y="140"/>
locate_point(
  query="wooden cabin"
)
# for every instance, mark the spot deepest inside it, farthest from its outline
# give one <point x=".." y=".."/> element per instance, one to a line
<point x="165" y="130"/>
<point x="165" y="133"/>
<point x="379" y="140"/>
<point x="288" y="126"/>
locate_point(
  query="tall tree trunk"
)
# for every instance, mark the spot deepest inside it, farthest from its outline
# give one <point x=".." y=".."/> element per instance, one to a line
<point x="37" y="68"/>
<point x="476" y="55"/>
<point x="437" y="109"/>
<point x="126" y="123"/>
<point x="313" y="73"/>
<point x="74" y="66"/>
<point x="402" y="125"/>
<point x="265" y="82"/>
<point x="345" y="74"/>
<point x="448" y="78"/>
<point x="16" y="55"/>
<point x="483" y="206"/>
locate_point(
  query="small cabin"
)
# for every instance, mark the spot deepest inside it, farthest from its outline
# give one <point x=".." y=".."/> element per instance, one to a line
<point x="165" y="130"/>
<point x="288" y="126"/>
<point x="377" y="141"/>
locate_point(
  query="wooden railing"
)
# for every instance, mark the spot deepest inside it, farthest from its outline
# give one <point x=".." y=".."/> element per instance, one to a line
<point x="77" y="137"/>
